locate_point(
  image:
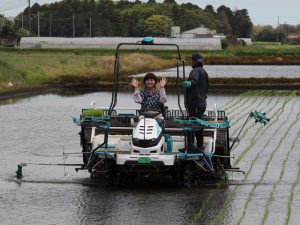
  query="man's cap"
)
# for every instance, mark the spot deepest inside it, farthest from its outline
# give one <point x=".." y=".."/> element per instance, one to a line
<point x="196" y="57"/>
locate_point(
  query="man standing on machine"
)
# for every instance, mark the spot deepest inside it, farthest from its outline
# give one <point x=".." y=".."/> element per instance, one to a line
<point x="196" y="94"/>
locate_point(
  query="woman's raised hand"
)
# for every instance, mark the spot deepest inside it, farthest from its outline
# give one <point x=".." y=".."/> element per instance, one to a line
<point x="163" y="82"/>
<point x="134" y="83"/>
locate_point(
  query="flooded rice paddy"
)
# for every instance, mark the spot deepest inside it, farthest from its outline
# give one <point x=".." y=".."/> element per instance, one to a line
<point x="239" y="71"/>
<point x="39" y="129"/>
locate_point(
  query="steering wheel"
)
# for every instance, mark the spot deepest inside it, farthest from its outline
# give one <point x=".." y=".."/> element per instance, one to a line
<point x="149" y="113"/>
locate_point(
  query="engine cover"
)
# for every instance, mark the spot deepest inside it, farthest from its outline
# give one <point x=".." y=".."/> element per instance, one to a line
<point x="147" y="137"/>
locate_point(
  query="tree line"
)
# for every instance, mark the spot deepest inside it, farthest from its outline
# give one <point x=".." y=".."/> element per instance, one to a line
<point x="129" y="19"/>
<point x="84" y="18"/>
<point x="270" y="34"/>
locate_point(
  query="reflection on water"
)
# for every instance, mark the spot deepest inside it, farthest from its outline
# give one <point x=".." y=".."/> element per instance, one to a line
<point x="39" y="129"/>
<point x="148" y="205"/>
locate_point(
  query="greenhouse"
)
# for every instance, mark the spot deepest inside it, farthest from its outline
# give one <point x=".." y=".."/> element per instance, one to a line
<point x="112" y="42"/>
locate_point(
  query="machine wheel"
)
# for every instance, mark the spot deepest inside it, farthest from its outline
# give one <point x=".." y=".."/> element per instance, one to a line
<point x="109" y="175"/>
<point x="86" y="156"/>
<point x="183" y="175"/>
<point x="118" y="177"/>
<point x="114" y="177"/>
<point x="188" y="176"/>
<point x="220" y="172"/>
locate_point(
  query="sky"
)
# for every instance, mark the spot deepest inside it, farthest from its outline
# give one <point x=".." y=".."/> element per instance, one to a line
<point x="261" y="12"/>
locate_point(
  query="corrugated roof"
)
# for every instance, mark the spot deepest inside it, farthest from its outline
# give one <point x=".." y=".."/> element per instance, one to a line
<point x="198" y="30"/>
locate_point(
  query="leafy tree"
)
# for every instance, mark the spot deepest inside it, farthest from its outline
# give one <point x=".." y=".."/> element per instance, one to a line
<point x="264" y="33"/>
<point x="225" y="16"/>
<point x="189" y="6"/>
<point x="297" y="28"/>
<point x="209" y="21"/>
<point x="22" y="32"/>
<point x="35" y="8"/>
<point x="209" y="9"/>
<point x="158" y="25"/>
<point x="151" y="1"/>
<point x="241" y="24"/>
<point x="170" y="1"/>
<point x="127" y="18"/>
<point x="227" y="11"/>
<point x="224" y="24"/>
<point x="8" y="32"/>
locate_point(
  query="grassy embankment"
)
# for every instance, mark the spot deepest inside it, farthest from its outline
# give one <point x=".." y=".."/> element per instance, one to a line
<point x="43" y="67"/>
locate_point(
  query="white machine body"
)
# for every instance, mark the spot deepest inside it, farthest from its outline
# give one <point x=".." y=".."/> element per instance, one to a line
<point x="147" y="137"/>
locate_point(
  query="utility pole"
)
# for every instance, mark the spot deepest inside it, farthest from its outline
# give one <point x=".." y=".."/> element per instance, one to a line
<point x="29" y="14"/>
<point x="285" y="32"/>
<point x="38" y="23"/>
<point x="1" y="24"/>
<point x="165" y="27"/>
<point x="73" y="25"/>
<point x="22" y="19"/>
<point x="90" y="27"/>
<point x="50" y="23"/>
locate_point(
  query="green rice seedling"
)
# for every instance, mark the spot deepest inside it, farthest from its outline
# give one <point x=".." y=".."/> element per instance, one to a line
<point x="92" y="113"/>
<point x="266" y="211"/>
<point x="237" y="100"/>
<point x="283" y="164"/>
<point x="217" y="220"/>
<point x="293" y="93"/>
<point x="267" y="93"/>
<point x="264" y="173"/>
<point x="289" y="152"/>
<point x="253" y="140"/>
<point x="259" y="94"/>
<point x="199" y="215"/>
<point x="245" y="100"/>
<point x="291" y="197"/>
<point x="269" y="125"/>
<point x="220" y="215"/>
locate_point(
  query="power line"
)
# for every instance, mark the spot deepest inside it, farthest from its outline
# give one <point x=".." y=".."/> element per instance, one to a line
<point x="8" y="9"/>
<point x="10" y="5"/>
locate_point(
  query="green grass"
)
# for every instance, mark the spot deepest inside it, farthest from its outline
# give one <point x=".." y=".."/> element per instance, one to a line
<point x="10" y="74"/>
<point x="37" y="67"/>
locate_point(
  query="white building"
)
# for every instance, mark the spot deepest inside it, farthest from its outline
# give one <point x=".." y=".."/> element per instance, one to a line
<point x="112" y="42"/>
<point x="199" y="32"/>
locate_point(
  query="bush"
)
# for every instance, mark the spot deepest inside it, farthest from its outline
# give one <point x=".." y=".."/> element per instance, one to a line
<point x="224" y="43"/>
<point x="242" y="42"/>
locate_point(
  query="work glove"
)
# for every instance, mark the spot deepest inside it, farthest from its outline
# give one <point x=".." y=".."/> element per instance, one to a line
<point x="186" y="84"/>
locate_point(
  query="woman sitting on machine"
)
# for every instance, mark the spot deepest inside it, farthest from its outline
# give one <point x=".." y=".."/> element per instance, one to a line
<point x="150" y="98"/>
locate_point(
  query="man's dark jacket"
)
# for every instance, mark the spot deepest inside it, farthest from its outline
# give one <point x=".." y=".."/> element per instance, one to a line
<point x="196" y="94"/>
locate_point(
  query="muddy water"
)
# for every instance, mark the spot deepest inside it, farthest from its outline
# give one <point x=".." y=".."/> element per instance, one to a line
<point x="39" y="129"/>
